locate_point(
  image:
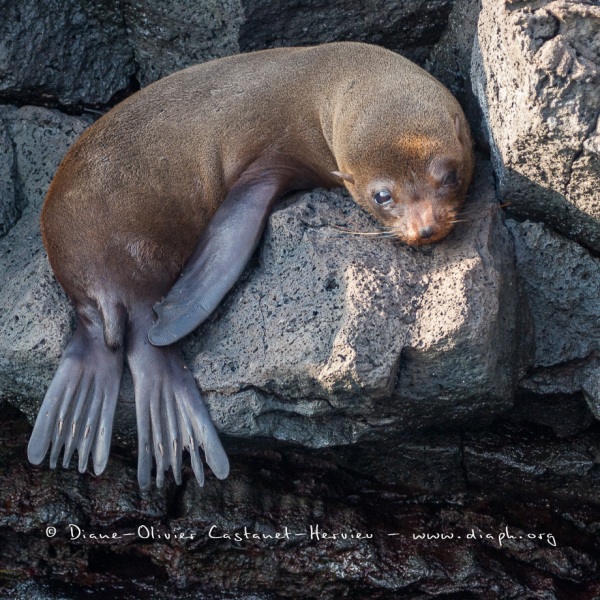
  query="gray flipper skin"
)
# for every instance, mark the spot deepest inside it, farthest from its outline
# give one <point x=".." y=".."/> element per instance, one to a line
<point x="170" y="413"/>
<point x="218" y="260"/>
<point x="79" y="406"/>
<point x="78" y="409"/>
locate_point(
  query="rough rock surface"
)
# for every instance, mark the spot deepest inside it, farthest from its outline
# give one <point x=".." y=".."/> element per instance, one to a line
<point x="501" y="541"/>
<point x="75" y="54"/>
<point x="536" y="72"/>
<point x="346" y="338"/>
<point x="178" y="33"/>
<point x="331" y="339"/>
<point x="10" y="203"/>
<point x="560" y="281"/>
<point x="409" y="27"/>
<point x="64" y="52"/>
<point x="450" y="61"/>
<point x="168" y="36"/>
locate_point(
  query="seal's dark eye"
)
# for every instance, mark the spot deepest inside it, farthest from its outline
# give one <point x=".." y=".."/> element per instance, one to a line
<point x="451" y="178"/>
<point x="382" y="197"/>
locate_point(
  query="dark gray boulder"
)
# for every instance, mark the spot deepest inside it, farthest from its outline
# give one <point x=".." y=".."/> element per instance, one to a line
<point x="88" y="54"/>
<point x="336" y="339"/>
<point x="63" y="52"/>
<point x="10" y="201"/>
<point x="329" y="339"/>
<point x="536" y="72"/>
<point x="169" y="36"/>
<point x="560" y="284"/>
<point x="179" y="33"/>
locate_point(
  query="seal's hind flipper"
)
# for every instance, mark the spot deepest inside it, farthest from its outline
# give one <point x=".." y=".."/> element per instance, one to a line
<point x="217" y="262"/>
<point x="78" y="409"/>
<point x="170" y="413"/>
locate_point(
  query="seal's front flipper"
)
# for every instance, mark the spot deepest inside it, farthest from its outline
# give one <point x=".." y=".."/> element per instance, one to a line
<point x="217" y="262"/>
<point x="170" y="413"/>
<point x="78" y="409"/>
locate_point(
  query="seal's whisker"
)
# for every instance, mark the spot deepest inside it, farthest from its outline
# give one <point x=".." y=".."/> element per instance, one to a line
<point x="480" y="209"/>
<point x="381" y="233"/>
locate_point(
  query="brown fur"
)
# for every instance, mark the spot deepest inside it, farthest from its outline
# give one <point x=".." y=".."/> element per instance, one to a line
<point x="224" y="139"/>
<point x="134" y="193"/>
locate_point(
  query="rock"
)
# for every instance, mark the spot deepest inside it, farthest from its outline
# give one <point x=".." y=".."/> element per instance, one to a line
<point x="331" y="339"/>
<point x="536" y="72"/>
<point x="560" y="282"/>
<point x="410" y="28"/>
<point x="353" y="380"/>
<point x="72" y="54"/>
<point x="566" y="414"/>
<point x="185" y="542"/>
<point x="347" y="339"/>
<point x="67" y="53"/>
<point x="169" y="36"/>
<point x="10" y="201"/>
<point x="515" y="458"/>
<point x="450" y="61"/>
<point x="178" y="33"/>
<point x="40" y="138"/>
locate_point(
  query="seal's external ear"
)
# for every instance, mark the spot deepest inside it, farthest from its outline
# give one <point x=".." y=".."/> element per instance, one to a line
<point x="459" y="130"/>
<point x="345" y="176"/>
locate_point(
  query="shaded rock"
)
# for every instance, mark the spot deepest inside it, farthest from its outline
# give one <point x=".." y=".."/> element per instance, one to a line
<point x="70" y="53"/>
<point x="53" y="590"/>
<point x="177" y="34"/>
<point x="536" y="72"/>
<point x="431" y="463"/>
<point x="340" y="535"/>
<point x="567" y="414"/>
<point x="10" y="202"/>
<point x="408" y="27"/>
<point x="533" y="461"/>
<point x="450" y="61"/>
<point x="169" y="36"/>
<point x="560" y="281"/>
<point x="48" y="497"/>
<point x="78" y="55"/>
<point x="40" y="138"/>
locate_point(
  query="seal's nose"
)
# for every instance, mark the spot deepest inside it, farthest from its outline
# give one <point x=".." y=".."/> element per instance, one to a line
<point x="426" y="232"/>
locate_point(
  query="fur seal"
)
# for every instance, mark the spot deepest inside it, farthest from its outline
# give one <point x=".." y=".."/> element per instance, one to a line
<point x="157" y="207"/>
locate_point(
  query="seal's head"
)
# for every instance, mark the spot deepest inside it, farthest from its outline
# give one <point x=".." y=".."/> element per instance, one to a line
<point x="416" y="185"/>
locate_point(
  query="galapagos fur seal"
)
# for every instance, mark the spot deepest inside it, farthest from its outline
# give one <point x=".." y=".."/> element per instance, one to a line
<point x="157" y="207"/>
